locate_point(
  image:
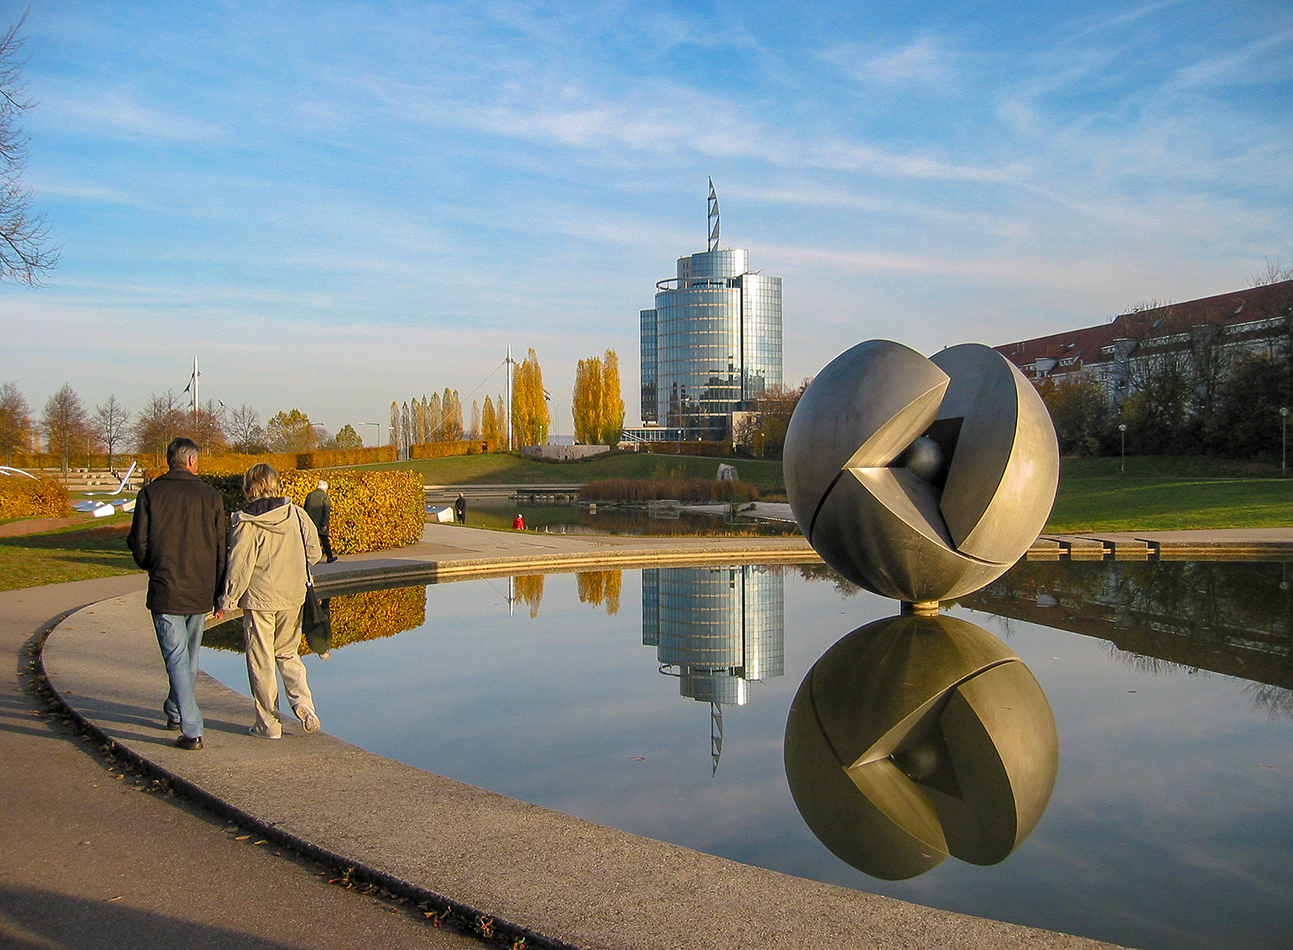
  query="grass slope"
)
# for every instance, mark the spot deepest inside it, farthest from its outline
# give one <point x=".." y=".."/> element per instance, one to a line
<point x="1169" y="493"/>
<point x="67" y="554"/>
<point x="499" y="469"/>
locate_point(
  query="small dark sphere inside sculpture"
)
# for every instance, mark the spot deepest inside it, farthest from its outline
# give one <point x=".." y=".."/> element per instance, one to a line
<point x="924" y="458"/>
<point x="921" y="758"/>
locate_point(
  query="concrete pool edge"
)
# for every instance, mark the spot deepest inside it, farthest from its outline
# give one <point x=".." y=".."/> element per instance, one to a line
<point x="571" y="881"/>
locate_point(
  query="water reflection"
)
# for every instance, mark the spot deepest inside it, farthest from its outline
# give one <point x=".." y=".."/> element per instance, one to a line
<point x="1229" y="618"/>
<point x="368" y="615"/>
<point x="717" y="629"/>
<point x="915" y="738"/>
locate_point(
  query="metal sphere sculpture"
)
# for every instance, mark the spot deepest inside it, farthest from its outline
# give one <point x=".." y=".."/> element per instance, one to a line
<point x="913" y="738"/>
<point x="921" y="479"/>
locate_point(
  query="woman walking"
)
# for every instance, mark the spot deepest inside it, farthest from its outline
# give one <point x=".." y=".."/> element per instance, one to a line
<point x="271" y="542"/>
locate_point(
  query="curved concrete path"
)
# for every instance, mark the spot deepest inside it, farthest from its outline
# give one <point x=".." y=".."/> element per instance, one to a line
<point x="516" y="869"/>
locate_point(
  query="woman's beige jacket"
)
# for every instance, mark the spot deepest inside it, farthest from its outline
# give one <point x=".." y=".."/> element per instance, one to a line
<point x="269" y="541"/>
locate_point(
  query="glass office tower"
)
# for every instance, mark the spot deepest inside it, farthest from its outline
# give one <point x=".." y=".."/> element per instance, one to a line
<point x="712" y="343"/>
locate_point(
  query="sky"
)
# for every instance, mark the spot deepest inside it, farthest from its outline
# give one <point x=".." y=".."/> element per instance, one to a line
<point x="334" y="205"/>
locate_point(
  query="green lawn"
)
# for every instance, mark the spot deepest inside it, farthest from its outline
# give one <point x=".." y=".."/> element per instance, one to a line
<point x="500" y="469"/>
<point x="1169" y="493"/>
<point x="96" y="549"/>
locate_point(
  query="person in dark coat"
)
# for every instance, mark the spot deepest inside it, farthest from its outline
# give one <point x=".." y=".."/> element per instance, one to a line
<point x="460" y="508"/>
<point x="177" y="535"/>
<point x="319" y="507"/>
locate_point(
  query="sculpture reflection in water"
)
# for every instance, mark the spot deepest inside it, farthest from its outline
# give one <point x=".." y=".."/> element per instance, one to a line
<point x="916" y="737"/>
<point x="717" y="629"/>
<point x="920" y="479"/>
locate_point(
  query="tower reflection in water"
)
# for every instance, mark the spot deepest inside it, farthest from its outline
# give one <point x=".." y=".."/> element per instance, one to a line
<point x="913" y="738"/>
<point x="717" y="629"/>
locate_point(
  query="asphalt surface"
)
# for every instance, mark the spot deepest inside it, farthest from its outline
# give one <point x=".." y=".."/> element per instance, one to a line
<point x="93" y="854"/>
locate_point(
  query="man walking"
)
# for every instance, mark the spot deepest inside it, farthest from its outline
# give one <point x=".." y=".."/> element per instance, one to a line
<point x="319" y="507"/>
<point x="178" y="536"/>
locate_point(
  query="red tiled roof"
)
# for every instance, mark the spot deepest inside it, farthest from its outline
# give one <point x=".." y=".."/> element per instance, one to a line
<point x="1074" y="348"/>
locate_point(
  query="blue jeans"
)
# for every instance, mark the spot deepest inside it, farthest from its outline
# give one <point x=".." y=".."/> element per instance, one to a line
<point x="180" y="637"/>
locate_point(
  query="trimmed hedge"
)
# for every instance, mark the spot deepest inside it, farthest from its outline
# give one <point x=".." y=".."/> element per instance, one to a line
<point x="439" y="450"/>
<point x="371" y="511"/>
<point x="331" y="458"/>
<point x="28" y="498"/>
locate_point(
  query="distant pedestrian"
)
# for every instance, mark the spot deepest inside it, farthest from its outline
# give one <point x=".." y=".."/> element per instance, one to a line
<point x="319" y="507"/>
<point x="460" y="508"/>
<point x="519" y="523"/>
<point x="177" y="536"/>
<point x="271" y="543"/>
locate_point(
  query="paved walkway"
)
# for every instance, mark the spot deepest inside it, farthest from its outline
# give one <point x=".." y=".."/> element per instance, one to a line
<point x="90" y="857"/>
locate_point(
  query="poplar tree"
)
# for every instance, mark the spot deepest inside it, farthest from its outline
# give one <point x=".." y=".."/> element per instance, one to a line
<point x="489" y="430"/>
<point x="530" y="419"/>
<point x="473" y="432"/>
<point x="394" y="430"/>
<point x="597" y="406"/>
<point x="419" y="423"/>
<point x="612" y="402"/>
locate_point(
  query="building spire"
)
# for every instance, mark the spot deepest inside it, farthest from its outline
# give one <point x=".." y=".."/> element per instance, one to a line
<point x="713" y="217"/>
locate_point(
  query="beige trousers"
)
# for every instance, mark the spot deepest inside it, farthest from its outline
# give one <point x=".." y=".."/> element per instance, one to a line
<point x="273" y="641"/>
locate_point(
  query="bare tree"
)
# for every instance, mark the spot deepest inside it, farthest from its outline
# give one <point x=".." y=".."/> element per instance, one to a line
<point x="109" y="424"/>
<point x="15" y="422"/>
<point x="1274" y="273"/>
<point x="161" y="420"/>
<point x="205" y="426"/>
<point x="25" y="254"/>
<point x="65" y="424"/>
<point x="245" y="431"/>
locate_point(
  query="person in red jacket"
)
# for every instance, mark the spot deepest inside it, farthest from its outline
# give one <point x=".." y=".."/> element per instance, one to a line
<point x="519" y="523"/>
<point x="177" y="535"/>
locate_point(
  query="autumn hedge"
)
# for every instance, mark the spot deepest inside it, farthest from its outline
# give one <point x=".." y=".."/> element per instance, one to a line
<point x="439" y="450"/>
<point x="371" y="511"/>
<point x="32" y="498"/>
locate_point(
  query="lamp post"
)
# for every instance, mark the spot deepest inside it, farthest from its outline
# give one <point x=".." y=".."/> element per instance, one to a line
<point x="1284" y="440"/>
<point x="377" y="439"/>
<point x="1122" y="439"/>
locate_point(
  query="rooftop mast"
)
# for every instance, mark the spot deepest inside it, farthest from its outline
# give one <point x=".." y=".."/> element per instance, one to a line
<point x="713" y="217"/>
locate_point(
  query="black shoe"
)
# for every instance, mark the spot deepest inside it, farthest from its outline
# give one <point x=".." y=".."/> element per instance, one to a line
<point x="331" y="559"/>
<point x="173" y="725"/>
<point x="191" y="743"/>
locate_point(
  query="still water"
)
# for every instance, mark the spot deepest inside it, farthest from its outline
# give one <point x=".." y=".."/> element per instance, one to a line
<point x="657" y="702"/>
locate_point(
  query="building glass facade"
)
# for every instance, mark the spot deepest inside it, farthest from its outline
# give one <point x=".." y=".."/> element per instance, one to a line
<point x="716" y="629"/>
<point x="711" y="344"/>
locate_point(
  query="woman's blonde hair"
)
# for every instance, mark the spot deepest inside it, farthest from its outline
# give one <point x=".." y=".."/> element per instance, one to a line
<point x="261" y="481"/>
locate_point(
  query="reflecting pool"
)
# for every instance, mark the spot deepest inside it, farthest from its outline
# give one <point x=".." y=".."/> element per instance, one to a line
<point x="1102" y="748"/>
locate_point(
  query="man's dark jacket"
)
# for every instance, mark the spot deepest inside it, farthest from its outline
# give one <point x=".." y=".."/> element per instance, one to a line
<point x="319" y="508"/>
<point x="178" y="537"/>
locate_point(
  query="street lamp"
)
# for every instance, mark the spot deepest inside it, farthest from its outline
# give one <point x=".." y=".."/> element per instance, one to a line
<point x="1122" y="439"/>
<point x="377" y="439"/>
<point x="1284" y="439"/>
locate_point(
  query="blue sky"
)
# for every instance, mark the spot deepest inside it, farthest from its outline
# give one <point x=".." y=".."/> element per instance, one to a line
<point x="334" y="204"/>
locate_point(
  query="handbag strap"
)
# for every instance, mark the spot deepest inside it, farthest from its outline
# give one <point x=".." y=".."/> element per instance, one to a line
<point x="305" y="549"/>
